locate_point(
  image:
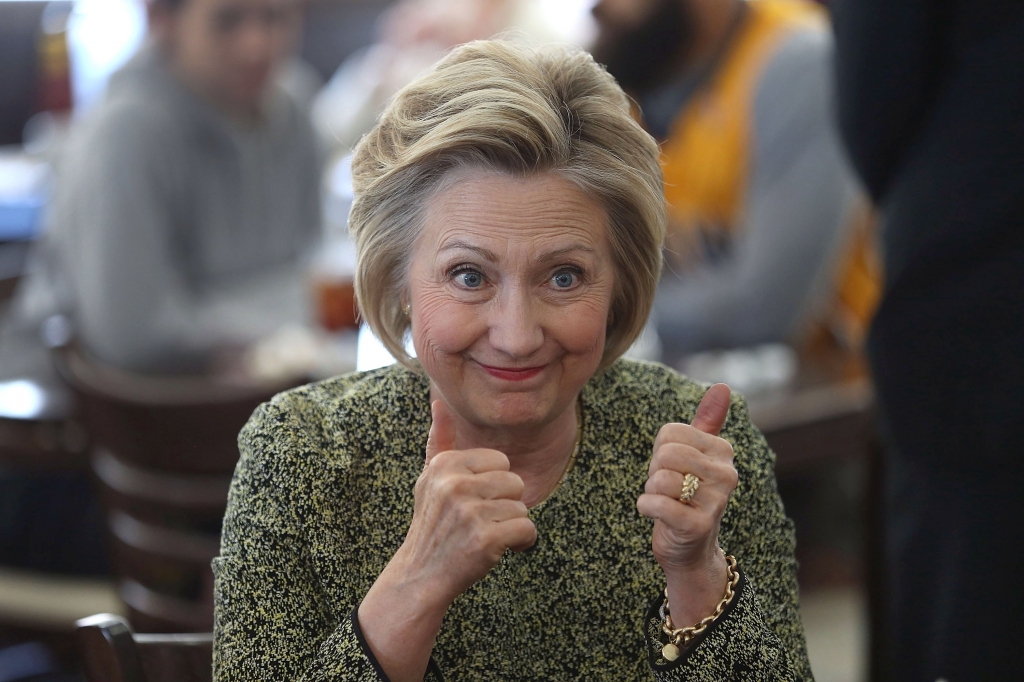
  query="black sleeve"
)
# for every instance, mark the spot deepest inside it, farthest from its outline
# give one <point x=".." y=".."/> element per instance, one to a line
<point x="890" y="60"/>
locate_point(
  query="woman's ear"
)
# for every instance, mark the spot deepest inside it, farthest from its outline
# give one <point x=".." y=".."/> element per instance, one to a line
<point x="405" y="300"/>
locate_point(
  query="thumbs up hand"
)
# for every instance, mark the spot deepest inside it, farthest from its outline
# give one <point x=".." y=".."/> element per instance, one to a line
<point x="468" y="511"/>
<point x="685" y="537"/>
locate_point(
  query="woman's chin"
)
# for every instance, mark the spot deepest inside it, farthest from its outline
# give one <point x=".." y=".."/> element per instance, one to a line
<point x="523" y="410"/>
<point x="518" y="403"/>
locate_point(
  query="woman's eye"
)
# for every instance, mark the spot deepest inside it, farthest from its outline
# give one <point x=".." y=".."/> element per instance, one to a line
<point x="564" y="279"/>
<point x="470" y="279"/>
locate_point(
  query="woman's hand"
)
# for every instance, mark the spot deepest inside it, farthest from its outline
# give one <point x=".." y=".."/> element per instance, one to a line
<point x="685" y="538"/>
<point x="468" y="511"/>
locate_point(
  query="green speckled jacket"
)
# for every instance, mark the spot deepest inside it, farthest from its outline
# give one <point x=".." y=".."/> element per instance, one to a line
<point x="323" y="496"/>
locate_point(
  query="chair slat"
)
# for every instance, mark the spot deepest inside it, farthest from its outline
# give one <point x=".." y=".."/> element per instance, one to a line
<point x="113" y="653"/>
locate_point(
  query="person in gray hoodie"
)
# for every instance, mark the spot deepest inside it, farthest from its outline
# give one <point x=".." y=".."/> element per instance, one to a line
<point x="188" y="199"/>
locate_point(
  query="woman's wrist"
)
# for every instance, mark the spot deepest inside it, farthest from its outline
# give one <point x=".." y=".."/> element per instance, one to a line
<point x="695" y="590"/>
<point x="400" y="617"/>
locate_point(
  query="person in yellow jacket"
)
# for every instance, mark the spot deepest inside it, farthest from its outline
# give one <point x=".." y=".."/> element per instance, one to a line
<point x="761" y="200"/>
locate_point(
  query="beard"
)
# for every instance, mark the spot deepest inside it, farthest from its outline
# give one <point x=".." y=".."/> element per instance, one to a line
<point x="644" y="57"/>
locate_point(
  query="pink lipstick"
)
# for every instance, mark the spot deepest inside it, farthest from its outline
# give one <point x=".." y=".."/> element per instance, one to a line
<point x="513" y="373"/>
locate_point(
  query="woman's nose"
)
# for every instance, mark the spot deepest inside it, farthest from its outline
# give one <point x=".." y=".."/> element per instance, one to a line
<point x="515" y="327"/>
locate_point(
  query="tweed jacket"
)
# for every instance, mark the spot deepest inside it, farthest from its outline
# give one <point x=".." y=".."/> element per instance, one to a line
<point x="323" y="497"/>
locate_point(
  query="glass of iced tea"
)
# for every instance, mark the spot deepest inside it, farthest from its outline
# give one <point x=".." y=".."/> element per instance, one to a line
<point x="333" y="285"/>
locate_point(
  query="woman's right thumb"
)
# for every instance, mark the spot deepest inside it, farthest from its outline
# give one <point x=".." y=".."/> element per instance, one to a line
<point x="442" y="430"/>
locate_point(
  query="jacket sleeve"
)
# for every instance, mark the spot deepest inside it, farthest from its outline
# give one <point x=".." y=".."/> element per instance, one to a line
<point x="115" y="222"/>
<point x="759" y="635"/>
<point x="890" y="57"/>
<point x="273" y="619"/>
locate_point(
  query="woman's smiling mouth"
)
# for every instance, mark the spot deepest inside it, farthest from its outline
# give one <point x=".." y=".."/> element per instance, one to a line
<point x="513" y="373"/>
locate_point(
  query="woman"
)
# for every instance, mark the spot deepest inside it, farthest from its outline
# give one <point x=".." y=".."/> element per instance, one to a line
<point x="473" y="514"/>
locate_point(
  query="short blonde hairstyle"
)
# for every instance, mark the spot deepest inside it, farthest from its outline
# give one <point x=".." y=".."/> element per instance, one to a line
<point x="521" y="111"/>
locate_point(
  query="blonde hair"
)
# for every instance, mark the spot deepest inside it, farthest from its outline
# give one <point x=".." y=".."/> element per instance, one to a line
<point x="520" y="111"/>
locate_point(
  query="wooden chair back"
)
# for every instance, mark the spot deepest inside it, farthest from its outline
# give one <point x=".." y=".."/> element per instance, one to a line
<point x="111" y="652"/>
<point x="163" y="453"/>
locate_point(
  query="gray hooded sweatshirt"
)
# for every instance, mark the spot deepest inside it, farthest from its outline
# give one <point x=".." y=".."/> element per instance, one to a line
<point x="174" y="231"/>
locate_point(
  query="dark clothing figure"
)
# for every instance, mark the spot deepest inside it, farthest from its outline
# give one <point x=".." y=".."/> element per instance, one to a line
<point x="932" y="110"/>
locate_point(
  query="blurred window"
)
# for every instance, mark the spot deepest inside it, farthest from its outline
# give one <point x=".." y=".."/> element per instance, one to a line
<point x="102" y="35"/>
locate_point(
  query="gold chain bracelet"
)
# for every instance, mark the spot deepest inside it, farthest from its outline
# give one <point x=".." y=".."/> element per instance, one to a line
<point x="678" y="638"/>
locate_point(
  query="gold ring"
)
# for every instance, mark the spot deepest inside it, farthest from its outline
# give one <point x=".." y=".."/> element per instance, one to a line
<point x="690" y="485"/>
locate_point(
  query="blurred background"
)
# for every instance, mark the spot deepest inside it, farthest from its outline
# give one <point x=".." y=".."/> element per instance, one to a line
<point x="174" y="192"/>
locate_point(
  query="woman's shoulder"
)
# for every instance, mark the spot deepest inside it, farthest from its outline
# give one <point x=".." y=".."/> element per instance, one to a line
<point x="383" y="385"/>
<point x="343" y="407"/>
<point x="636" y="392"/>
<point x="644" y="385"/>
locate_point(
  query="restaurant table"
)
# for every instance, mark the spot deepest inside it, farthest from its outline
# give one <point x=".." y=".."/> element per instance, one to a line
<point x="38" y="431"/>
<point x="825" y="413"/>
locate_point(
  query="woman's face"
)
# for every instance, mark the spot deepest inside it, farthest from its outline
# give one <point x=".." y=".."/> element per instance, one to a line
<point x="510" y="288"/>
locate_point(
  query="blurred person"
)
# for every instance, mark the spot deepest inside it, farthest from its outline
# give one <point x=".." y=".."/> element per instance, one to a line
<point x="739" y="94"/>
<point x="932" y="110"/>
<point x="187" y="199"/>
<point x="414" y="34"/>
